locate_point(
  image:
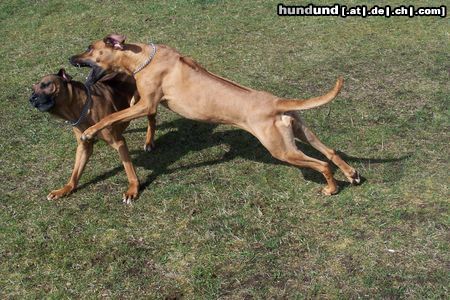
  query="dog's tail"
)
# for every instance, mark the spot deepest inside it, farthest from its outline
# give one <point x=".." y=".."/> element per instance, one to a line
<point x="283" y="105"/>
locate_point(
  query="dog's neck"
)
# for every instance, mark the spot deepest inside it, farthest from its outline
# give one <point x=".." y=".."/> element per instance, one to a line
<point x="67" y="106"/>
<point x="132" y="57"/>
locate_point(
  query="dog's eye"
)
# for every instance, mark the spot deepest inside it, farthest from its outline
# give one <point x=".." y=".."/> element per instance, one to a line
<point x="89" y="48"/>
<point x="44" y="85"/>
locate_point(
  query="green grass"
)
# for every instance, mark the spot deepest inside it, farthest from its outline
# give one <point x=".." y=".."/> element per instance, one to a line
<point x="217" y="216"/>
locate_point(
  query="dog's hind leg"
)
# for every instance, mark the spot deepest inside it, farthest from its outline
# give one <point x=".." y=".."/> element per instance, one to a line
<point x="84" y="151"/>
<point x="279" y="140"/>
<point x="300" y="159"/>
<point x="306" y="135"/>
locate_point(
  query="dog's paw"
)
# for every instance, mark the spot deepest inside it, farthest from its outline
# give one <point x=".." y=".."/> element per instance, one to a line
<point x="56" y="194"/>
<point x="328" y="191"/>
<point x="88" y="134"/>
<point x="85" y="137"/>
<point x="354" y="178"/>
<point x="149" y="147"/>
<point x="129" y="196"/>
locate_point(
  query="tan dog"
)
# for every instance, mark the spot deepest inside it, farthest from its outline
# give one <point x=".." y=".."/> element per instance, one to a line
<point x="164" y="75"/>
<point x="64" y="98"/>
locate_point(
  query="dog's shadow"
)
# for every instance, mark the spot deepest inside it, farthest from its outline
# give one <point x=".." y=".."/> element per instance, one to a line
<point x="190" y="136"/>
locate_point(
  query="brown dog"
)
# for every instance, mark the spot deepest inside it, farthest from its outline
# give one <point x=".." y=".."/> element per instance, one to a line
<point x="164" y="75"/>
<point x="64" y="98"/>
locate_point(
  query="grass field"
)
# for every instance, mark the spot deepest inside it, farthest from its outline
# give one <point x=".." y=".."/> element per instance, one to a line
<point x="217" y="216"/>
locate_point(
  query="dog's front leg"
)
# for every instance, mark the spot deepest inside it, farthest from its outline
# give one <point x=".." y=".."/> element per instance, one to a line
<point x="145" y="107"/>
<point x="84" y="151"/>
<point x="149" y="144"/>
<point x="128" y="114"/>
<point x="150" y="138"/>
<point x="117" y="141"/>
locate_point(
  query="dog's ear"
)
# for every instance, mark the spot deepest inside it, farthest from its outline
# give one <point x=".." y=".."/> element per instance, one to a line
<point x="62" y="73"/>
<point x="115" y="40"/>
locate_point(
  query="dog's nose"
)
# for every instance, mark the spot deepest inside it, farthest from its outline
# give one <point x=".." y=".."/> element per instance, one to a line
<point x="33" y="99"/>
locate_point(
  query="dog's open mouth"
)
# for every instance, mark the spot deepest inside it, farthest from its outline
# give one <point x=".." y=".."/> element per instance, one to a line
<point x="94" y="75"/>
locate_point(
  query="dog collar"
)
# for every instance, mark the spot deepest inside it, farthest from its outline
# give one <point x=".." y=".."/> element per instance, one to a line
<point x="149" y="59"/>
<point x="85" y="109"/>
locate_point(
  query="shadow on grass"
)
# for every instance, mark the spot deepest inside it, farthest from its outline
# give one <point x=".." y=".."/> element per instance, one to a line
<point x="191" y="136"/>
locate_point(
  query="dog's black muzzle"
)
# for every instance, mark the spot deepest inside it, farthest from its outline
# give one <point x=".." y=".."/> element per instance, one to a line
<point x="42" y="102"/>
